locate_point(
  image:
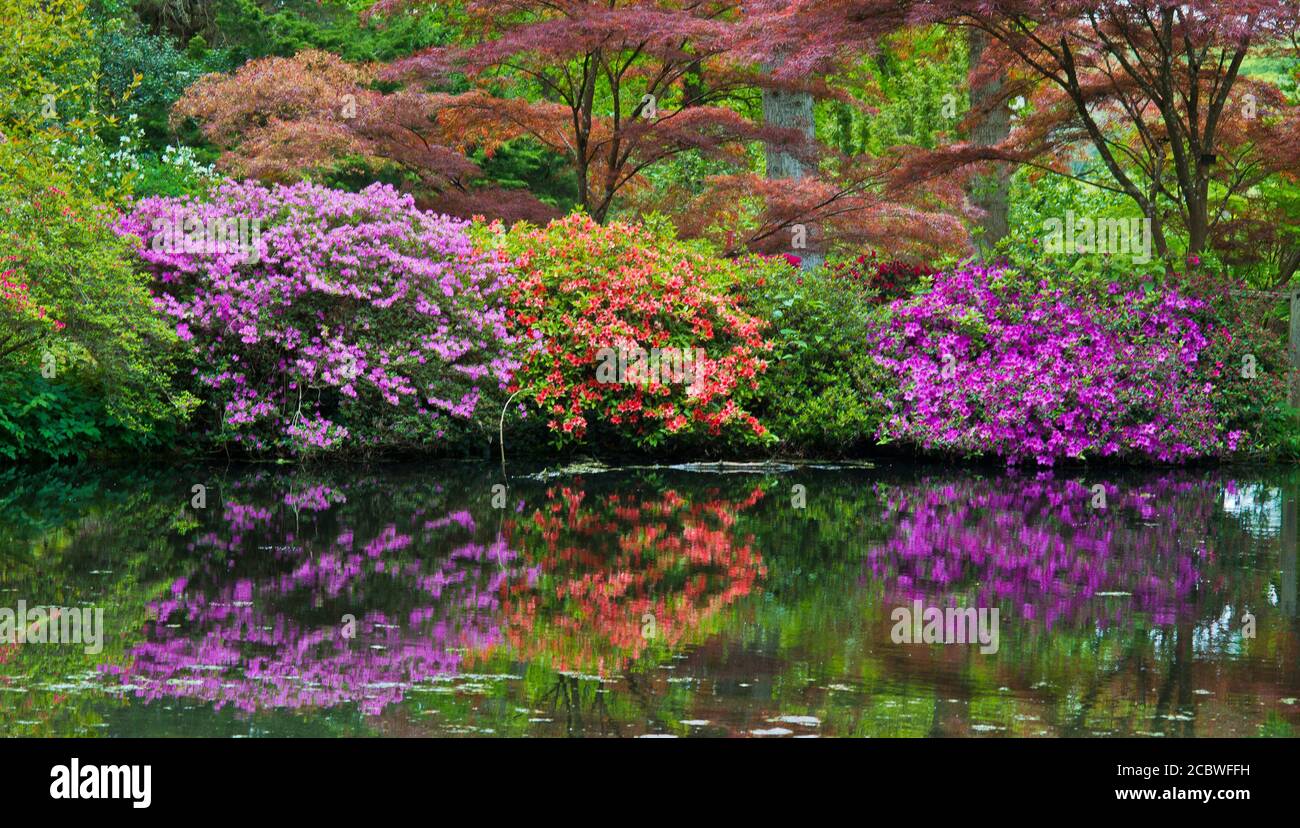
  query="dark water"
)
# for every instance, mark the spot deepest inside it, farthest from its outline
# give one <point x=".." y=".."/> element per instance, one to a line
<point x="401" y="601"/>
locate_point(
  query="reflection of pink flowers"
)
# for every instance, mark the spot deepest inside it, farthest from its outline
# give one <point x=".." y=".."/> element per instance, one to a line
<point x="314" y="498"/>
<point x="1042" y="551"/>
<point x="246" y="641"/>
<point x="254" y="658"/>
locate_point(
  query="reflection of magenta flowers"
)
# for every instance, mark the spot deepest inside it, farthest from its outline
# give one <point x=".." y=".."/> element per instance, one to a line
<point x="315" y="498"/>
<point x="275" y="639"/>
<point x="1041" y="551"/>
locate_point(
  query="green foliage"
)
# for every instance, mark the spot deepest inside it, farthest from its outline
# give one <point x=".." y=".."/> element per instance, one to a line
<point x="38" y="417"/>
<point x="915" y="88"/>
<point x="50" y="96"/>
<point x="48" y="49"/>
<point x="815" y="395"/>
<point x="526" y="164"/>
<point x="1036" y="198"/>
<point x="354" y="173"/>
<point x="1248" y="360"/>
<point x="60" y="243"/>
<point x="1278" y="433"/>
<point x="250" y="31"/>
<point x="144" y="75"/>
<point x="61" y="419"/>
<point x="178" y="171"/>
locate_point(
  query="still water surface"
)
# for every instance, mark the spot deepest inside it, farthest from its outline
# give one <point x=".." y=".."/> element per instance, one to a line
<point x="399" y="601"/>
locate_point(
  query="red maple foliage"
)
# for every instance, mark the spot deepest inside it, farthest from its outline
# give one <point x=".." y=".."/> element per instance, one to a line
<point x="615" y="88"/>
<point x="1146" y="99"/>
<point x="276" y="118"/>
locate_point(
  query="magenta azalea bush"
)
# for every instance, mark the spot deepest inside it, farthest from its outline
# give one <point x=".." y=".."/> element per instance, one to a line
<point x="325" y="320"/>
<point x="985" y="363"/>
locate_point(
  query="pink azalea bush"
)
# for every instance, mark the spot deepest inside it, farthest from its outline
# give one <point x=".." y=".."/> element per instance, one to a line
<point x="342" y="321"/>
<point x="985" y="363"/>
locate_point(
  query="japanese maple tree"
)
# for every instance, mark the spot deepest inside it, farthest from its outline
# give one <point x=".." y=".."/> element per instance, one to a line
<point x="614" y="87"/>
<point x="1146" y="99"/>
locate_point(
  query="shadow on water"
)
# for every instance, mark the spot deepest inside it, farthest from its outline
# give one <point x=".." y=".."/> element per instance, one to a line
<point x="413" y="601"/>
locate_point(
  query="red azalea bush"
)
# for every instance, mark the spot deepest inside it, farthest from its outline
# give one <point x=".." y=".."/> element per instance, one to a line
<point x="887" y="278"/>
<point x="584" y="289"/>
<point x="17" y="307"/>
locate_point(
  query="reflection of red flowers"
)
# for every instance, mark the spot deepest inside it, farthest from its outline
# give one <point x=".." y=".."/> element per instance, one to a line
<point x="606" y="565"/>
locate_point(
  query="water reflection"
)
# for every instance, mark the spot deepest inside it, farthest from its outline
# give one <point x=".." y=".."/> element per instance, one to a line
<point x="1057" y="552"/>
<point x="624" y="573"/>
<point x="396" y="601"/>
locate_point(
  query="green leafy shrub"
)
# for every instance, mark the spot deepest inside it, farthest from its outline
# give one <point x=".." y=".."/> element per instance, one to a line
<point x="143" y="75"/>
<point x="58" y="241"/>
<point x="816" y="395"/>
<point x="64" y="419"/>
<point x="48" y="65"/>
<point x="1247" y="359"/>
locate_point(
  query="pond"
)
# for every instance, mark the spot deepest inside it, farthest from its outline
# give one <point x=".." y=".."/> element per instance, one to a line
<point x="432" y="600"/>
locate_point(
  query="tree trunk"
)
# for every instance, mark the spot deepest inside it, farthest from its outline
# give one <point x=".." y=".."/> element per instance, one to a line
<point x="693" y="89"/>
<point x="1287" y="264"/>
<point x="989" y="191"/>
<point x="792" y="110"/>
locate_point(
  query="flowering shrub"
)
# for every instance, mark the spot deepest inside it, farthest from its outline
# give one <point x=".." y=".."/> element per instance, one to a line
<point x="71" y="305"/>
<point x="583" y="287"/>
<point x="18" y="310"/>
<point x="1033" y="373"/>
<point x="885" y="278"/>
<point x="1247" y="359"/>
<point x="353" y="319"/>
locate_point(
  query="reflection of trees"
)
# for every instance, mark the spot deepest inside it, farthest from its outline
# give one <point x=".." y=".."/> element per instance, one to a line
<point x="1162" y="654"/>
<point x="538" y="612"/>
<point x="583" y="705"/>
<point x="1287" y="596"/>
<point x="74" y="536"/>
